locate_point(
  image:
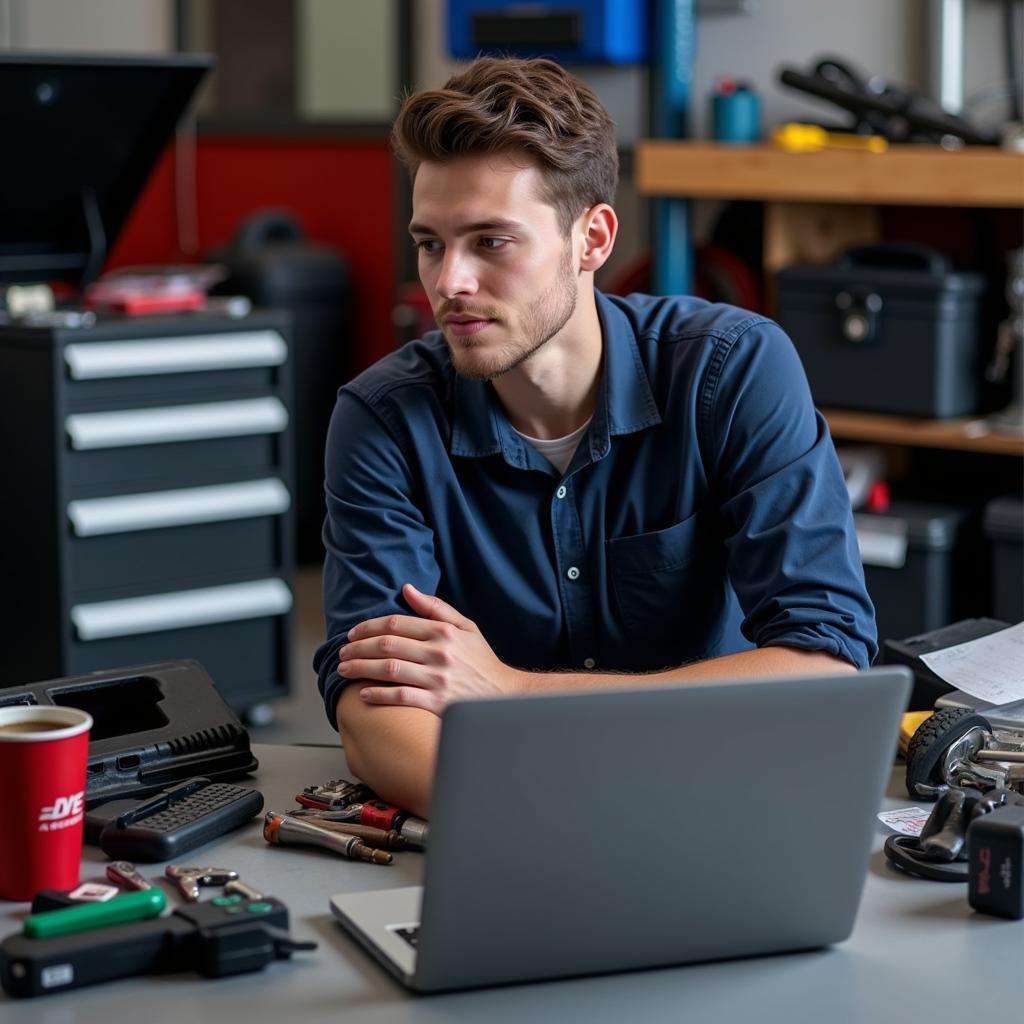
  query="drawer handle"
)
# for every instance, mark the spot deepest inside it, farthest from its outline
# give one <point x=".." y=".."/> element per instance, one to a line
<point x="165" y="424"/>
<point x="154" y="510"/>
<point x="181" y="609"/>
<point x="106" y="359"/>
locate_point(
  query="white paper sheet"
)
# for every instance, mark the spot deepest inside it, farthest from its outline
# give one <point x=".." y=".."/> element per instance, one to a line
<point x="908" y="821"/>
<point x="991" y="667"/>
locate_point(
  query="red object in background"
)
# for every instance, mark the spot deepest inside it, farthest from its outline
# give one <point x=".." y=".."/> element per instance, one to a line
<point x="138" y="302"/>
<point x="878" y="497"/>
<point x="44" y="800"/>
<point x="341" y="191"/>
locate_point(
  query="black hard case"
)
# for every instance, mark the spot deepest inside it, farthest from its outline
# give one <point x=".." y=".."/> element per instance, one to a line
<point x="917" y="594"/>
<point x="928" y="686"/>
<point x="153" y="725"/>
<point x="887" y="329"/>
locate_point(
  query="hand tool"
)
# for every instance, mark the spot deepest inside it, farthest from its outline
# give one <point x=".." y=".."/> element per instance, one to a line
<point x="123" y="872"/>
<point x="377" y="814"/>
<point x="378" y="838"/>
<point x="188" y="878"/>
<point x="236" y="887"/>
<point x="334" y="795"/>
<point x="279" y="829"/>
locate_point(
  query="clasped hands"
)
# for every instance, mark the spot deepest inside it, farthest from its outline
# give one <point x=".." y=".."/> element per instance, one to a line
<point x="428" y="659"/>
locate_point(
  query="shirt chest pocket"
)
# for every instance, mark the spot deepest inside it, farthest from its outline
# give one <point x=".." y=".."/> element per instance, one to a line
<point x="667" y="585"/>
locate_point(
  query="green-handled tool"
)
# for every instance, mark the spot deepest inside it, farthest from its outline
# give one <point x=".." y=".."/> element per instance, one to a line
<point x="132" y="906"/>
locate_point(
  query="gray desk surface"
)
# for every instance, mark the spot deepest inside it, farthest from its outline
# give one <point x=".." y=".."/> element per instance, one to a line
<point x="917" y="951"/>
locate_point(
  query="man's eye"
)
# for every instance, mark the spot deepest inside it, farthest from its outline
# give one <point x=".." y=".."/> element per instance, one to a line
<point x="493" y="244"/>
<point x="430" y="246"/>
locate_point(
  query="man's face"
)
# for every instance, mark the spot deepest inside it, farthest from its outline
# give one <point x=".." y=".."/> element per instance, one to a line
<point x="498" y="271"/>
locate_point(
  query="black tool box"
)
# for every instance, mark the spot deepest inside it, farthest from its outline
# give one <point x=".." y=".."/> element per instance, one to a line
<point x="153" y="725"/>
<point x="908" y="556"/>
<point x="888" y="328"/>
<point x="147" y="513"/>
<point x="928" y="686"/>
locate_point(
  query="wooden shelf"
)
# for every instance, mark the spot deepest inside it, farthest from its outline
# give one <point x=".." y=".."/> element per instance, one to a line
<point x="972" y="435"/>
<point x="903" y="175"/>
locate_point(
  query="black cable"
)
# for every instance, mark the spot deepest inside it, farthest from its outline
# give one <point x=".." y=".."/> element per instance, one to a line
<point x="903" y="852"/>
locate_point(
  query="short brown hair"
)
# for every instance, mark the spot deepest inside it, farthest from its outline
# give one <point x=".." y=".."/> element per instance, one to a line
<point x="501" y="105"/>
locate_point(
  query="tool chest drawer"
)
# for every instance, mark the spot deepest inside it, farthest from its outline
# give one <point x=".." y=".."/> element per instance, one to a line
<point x="172" y="443"/>
<point x="153" y="465"/>
<point x="246" y="659"/>
<point x="121" y="358"/>
<point x="172" y="465"/>
<point x="177" y="555"/>
<point x="155" y="370"/>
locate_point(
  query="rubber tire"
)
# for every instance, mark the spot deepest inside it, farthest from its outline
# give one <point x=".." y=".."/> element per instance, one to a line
<point x="929" y="744"/>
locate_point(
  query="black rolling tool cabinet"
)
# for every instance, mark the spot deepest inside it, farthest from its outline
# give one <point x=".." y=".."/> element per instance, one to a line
<point x="147" y="499"/>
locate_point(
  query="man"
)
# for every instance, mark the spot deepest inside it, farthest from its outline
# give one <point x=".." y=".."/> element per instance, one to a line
<point x="559" y="489"/>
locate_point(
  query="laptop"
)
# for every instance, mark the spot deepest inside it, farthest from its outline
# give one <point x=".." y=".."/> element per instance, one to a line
<point x="589" y="832"/>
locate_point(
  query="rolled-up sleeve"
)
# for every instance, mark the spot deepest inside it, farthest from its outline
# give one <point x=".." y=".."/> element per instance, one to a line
<point x="792" y="550"/>
<point x="374" y="534"/>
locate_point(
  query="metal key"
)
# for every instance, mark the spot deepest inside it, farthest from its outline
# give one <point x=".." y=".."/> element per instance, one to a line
<point x="188" y="878"/>
<point x="238" y="887"/>
<point x="123" y="873"/>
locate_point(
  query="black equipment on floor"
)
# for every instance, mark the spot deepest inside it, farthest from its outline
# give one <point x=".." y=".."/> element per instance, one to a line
<point x="270" y="261"/>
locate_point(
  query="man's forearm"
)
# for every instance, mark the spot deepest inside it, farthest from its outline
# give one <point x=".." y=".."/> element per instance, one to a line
<point x="391" y="749"/>
<point x="394" y="749"/>
<point x="762" y="661"/>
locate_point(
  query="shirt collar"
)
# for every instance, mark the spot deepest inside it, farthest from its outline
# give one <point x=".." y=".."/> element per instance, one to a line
<point x="625" y="402"/>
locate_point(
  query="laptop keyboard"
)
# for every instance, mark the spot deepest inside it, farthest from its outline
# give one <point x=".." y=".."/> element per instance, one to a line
<point x="410" y="934"/>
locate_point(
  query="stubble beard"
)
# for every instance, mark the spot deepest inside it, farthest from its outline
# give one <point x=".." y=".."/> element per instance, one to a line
<point x="548" y="315"/>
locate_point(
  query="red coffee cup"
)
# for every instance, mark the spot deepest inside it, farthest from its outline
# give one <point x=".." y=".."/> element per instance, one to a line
<point x="43" y="754"/>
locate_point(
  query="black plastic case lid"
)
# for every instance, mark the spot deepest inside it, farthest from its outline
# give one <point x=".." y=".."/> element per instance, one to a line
<point x="82" y="134"/>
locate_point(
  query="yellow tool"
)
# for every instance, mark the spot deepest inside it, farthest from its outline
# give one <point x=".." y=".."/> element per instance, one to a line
<point x="909" y="724"/>
<point x="809" y="138"/>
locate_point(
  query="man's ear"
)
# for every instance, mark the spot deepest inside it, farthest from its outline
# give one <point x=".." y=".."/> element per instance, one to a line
<point x="599" y="225"/>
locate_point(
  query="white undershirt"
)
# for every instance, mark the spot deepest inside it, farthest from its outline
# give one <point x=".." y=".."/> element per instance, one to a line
<point x="559" y="450"/>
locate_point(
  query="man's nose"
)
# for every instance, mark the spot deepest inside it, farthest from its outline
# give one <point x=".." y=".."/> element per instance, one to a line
<point x="456" y="276"/>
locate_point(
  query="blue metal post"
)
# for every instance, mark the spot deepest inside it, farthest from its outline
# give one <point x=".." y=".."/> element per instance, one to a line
<point x="673" y="47"/>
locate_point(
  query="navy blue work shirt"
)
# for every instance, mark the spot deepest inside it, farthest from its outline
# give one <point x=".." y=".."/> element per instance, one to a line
<point x="703" y="512"/>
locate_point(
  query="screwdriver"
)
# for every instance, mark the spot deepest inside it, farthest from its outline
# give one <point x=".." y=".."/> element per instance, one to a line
<point x="377" y="814"/>
<point x="378" y="838"/>
<point x="282" y="830"/>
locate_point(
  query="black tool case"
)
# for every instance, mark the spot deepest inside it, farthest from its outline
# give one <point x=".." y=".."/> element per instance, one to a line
<point x="928" y="686"/>
<point x="888" y="328"/>
<point x="908" y="557"/>
<point x="153" y="725"/>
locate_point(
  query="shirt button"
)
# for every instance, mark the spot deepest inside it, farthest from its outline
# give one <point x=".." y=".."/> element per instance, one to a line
<point x="589" y="663"/>
<point x="560" y="493"/>
<point x="573" y="573"/>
